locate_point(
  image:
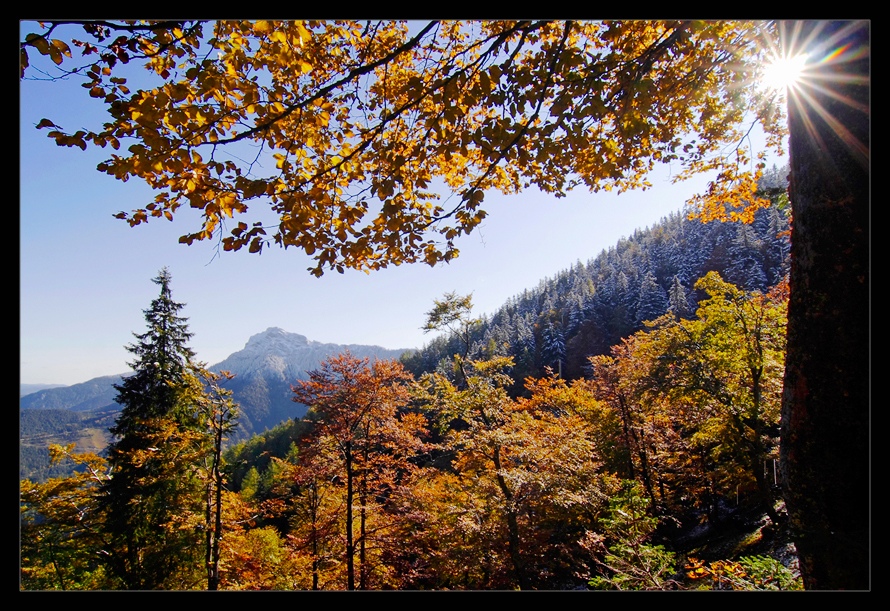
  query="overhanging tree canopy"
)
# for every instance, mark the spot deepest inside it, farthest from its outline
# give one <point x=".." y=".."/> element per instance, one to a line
<point x="367" y="123"/>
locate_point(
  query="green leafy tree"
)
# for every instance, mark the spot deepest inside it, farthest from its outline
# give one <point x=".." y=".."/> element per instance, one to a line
<point x="453" y="313"/>
<point x="62" y="526"/>
<point x="699" y="399"/>
<point x="629" y="561"/>
<point x="730" y="361"/>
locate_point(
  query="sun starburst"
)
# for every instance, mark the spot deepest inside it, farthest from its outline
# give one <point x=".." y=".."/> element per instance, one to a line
<point x="783" y="72"/>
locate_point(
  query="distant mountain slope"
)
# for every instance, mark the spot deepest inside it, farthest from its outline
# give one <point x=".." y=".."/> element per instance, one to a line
<point x="27" y="389"/>
<point x="264" y="370"/>
<point x="38" y="428"/>
<point x="92" y="394"/>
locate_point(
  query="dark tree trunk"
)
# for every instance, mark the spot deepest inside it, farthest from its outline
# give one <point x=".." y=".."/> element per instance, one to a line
<point x="363" y="530"/>
<point x="512" y="522"/>
<point x="825" y="451"/>
<point x="214" y="506"/>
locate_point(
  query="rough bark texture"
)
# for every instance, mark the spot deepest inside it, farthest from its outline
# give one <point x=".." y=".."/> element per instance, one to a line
<point x="825" y="450"/>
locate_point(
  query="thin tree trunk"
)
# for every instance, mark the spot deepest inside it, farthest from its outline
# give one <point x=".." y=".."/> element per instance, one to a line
<point x="757" y="454"/>
<point x="363" y="523"/>
<point x="313" y="512"/>
<point x="217" y="525"/>
<point x="350" y="545"/>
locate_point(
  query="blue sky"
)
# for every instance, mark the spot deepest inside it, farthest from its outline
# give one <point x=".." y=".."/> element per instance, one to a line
<point x="85" y="277"/>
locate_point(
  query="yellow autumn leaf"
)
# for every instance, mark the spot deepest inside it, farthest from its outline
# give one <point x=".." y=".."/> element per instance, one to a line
<point x="62" y="47"/>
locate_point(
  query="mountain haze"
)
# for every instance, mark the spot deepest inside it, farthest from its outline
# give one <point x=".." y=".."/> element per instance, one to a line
<point x="92" y="394"/>
<point x="264" y="370"/>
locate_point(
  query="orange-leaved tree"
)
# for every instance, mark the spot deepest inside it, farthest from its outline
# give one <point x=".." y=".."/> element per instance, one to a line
<point x="357" y="408"/>
<point x="530" y="474"/>
<point x="62" y="526"/>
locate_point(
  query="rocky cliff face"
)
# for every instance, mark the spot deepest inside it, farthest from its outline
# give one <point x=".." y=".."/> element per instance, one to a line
<point x="267" y="366"/>
<point x="280" y="355"/>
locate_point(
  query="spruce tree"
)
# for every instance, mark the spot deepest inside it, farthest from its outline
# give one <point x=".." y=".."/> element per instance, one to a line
<point x="653" y="301"/>
<point x="153" y="499"/>
<point x="162" y="358"/>
<point x="678" y="302"/>
<point x="553" y="351"/>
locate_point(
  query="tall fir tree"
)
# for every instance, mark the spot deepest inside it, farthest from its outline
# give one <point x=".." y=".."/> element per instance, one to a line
<point x="653" y="301"/>
<point x="553" y="350"/>
<point x="678" y="302"/>
<point x="162" y="357"/>
<point x="153" y="498"/>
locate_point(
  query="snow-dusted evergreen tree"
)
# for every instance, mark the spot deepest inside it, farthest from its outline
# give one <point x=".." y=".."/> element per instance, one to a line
<point x="553" y="346"/>
<point x="678" y="300"/>
<point x="653" y="301"/>
<point x="525" y="333"/>
<point x="623" y="316"/>
<point x="745" y="269"/>
<point x="689" y="250"/>
<point x="575" y="314"/>
<point x="774" y="180"/>
<point x="778" y="245"/>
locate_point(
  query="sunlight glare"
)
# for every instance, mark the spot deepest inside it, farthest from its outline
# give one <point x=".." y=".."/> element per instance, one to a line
<point x="783" y="72"/>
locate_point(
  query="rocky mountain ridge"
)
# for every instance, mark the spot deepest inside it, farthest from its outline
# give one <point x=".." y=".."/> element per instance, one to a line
<point x="264" y="370"/>
<point x="273" y="353"/>
<point x="288" y="356"/>
<point x="267" y="366"/>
